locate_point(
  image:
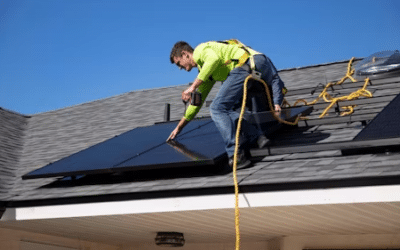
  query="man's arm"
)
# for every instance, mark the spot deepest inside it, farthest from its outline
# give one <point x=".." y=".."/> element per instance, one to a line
<point x="182" y="123"/>
<point x="187" y="93"/>
<point x="211" y="62"/>
<point x="204" y="88"/>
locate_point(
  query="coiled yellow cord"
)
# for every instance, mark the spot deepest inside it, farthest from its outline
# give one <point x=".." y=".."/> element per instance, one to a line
<point x="327" y="98"/>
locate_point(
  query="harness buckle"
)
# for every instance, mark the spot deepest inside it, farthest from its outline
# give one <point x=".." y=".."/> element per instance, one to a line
<point x="256" y="74"/>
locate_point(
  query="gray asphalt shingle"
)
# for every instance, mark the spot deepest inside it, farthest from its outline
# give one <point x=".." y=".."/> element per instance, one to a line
<point x="29" y="143"/>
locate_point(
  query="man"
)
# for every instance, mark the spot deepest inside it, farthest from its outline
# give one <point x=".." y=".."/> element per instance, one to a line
<point x="224" y="61"/>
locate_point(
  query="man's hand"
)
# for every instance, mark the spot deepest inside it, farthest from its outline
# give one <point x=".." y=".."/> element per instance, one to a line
<point x="187" y="94"/>
<point x="278" y="108"/>
<point x="174" y="133"/>
<point x="182" y="123"/>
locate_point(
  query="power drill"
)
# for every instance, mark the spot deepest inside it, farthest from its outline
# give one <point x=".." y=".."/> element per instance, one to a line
<point x="195" y="100"/>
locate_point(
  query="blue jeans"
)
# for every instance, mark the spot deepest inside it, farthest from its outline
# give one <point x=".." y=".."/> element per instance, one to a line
<point x="230" y="96"/>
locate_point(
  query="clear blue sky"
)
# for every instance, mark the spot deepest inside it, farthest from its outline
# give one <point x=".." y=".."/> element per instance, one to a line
<point x="58" y="53"/>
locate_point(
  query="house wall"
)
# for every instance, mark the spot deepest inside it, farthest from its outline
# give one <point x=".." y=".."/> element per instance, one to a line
<point x="13" y="240"/>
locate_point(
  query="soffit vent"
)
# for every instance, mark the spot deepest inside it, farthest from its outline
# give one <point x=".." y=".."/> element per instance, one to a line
<point x="170" y="239"/>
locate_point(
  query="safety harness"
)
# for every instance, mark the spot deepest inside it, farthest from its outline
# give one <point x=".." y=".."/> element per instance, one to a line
<point x="243" y="59"/>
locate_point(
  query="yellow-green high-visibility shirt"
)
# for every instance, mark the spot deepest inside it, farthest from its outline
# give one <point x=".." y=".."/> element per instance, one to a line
<point x="211" y="58"/>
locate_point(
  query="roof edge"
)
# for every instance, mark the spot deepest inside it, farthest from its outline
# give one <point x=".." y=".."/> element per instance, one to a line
<point x="323" y="196"/>
<point x="220" y="190"/>
<point x="15" y="113"/>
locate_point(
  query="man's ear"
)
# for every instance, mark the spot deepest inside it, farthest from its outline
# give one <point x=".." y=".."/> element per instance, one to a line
<point x="184" y="53"/>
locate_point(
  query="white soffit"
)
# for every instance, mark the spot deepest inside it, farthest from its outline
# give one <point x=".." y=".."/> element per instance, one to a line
<point x="390" y="193"/>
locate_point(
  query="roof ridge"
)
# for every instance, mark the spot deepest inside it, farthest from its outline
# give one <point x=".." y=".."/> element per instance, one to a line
<point x="104" y="98"/>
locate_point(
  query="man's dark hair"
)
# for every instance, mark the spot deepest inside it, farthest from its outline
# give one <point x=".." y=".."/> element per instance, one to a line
<point x="178" y="48"/>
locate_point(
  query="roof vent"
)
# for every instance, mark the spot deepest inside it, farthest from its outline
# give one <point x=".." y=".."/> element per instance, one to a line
<point x="378" y="64"/>
<point x="170" y="239"/>
<point x="167" y="112"/>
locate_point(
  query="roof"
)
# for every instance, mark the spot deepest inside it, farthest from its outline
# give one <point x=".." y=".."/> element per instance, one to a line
<point x="33" y="142"/>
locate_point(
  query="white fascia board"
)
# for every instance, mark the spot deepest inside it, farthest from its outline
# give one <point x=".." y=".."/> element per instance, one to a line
<point x="390" y="193"/>
<point x="122" y="207"/>
<point x="326" y="196"/>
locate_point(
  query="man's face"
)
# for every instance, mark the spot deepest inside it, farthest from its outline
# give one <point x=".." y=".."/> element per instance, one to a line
<point x="184" y="61"/>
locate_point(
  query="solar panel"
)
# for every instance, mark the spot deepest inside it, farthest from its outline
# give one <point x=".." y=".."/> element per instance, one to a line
<point x="140" y="148"/>
<point x="200" y="146"/>
<point x="384" y="125"/>
<point x="199" y="143"/>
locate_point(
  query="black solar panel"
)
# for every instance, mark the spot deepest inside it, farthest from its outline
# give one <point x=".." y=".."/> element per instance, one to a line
<point x="200" y="143"/>
<point x="200" y="146"/>
<point x="140" y="148"/>
<point x="385" y="125"/>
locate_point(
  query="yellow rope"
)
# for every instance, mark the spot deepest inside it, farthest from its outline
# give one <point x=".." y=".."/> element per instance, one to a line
<point x="324" y="94"/>
<point x="235" y="181"/>
<point x="328" y="98"/>
<point x="352" y="96"/>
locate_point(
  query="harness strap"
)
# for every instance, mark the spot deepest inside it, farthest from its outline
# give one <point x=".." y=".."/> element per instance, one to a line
<point x="242" y="60"/>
